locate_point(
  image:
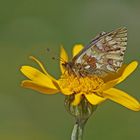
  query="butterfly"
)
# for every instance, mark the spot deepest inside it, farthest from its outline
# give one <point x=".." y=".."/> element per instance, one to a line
<point x="103" y="55"/>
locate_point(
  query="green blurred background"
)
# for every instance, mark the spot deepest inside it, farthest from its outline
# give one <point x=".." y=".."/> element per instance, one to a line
<point x="28" y="27"/>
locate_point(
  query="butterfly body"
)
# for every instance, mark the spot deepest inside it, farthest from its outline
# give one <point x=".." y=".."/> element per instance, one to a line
<point x="103" y="55"/>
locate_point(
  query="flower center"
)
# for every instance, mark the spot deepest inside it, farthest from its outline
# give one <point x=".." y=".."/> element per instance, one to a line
<point x="88" y="84"/>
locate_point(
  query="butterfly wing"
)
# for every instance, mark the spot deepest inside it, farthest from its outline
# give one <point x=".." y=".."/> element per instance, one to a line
<point x="104" y="54"/>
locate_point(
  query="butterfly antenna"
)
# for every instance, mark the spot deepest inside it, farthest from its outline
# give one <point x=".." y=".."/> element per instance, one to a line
<point x="59" y="59"/>
<point x="56" y="58"/>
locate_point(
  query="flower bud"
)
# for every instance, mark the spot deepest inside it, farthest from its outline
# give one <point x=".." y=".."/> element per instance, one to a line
<point x="82" y="111"/>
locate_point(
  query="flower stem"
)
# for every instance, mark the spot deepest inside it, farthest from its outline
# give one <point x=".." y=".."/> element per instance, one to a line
<point x="82" y="113"/>
<point x="77" y="132"/>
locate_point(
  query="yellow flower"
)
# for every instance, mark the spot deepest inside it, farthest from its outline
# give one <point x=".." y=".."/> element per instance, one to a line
<point x="93" y="88"/>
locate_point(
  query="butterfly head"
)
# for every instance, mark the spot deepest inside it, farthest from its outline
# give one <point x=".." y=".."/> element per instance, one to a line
<point x="67" y="65"/>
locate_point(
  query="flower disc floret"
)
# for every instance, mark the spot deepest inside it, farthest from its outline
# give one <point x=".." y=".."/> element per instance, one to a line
<point x="86" y="85"/>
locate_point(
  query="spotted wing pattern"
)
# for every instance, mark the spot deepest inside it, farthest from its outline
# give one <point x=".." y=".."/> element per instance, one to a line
<point x="104" y="54"/>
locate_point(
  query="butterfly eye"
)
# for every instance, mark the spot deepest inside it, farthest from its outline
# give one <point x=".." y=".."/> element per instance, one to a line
<point x="63" y="64"/>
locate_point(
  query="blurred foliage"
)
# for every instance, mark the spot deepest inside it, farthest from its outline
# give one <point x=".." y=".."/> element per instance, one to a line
<point x="29" y="27"/>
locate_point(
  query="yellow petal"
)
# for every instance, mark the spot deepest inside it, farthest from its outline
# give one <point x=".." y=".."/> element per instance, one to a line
<point x="109" y="84"/>
<point x="39" y="63"/>
<point x="63" y="58"/>
<point x="128" y="70"/>
<point x="123" y="73"/>
<point x="38" y="87"/>
<point x="119" y="77"/>
<point x="38" y="77"/>
<point x="66" y="91"/>
<point x="94" y="99"/>
<point x="42" y="67"/>
<point x="122" y="98"/>
<point x="77" y="49"/>
<point x="116" y="75"/>
<point x="77" y="99"/>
